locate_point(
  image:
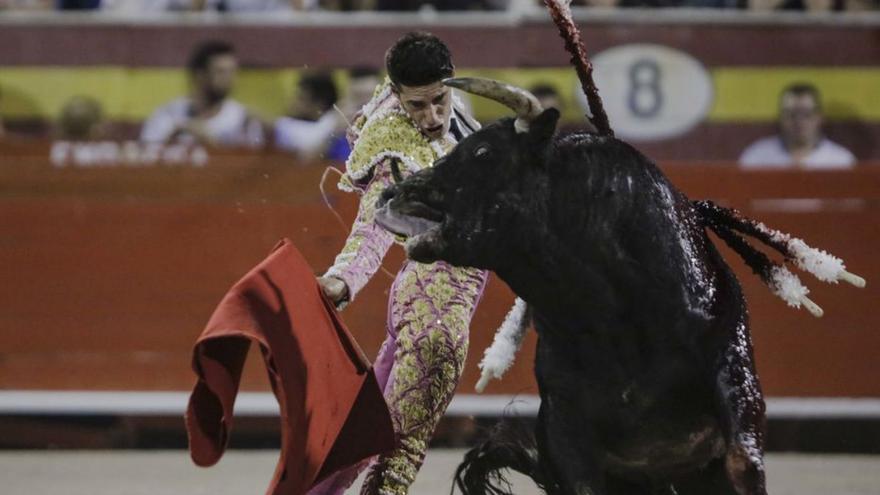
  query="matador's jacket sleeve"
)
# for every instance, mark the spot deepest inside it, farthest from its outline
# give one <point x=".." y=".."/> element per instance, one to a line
<point x="382" y="132"/>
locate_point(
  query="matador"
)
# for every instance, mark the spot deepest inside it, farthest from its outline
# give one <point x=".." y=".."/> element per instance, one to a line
<point x="412" y="120"/>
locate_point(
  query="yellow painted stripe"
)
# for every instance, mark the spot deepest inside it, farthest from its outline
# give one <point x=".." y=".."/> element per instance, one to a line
<point x="32" y="92"/>
<point x="747" y="94"/>
<point x="742" y="94"/>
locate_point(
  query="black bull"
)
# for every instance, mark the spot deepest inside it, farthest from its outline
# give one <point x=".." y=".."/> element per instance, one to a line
<point x="644" y="359"/>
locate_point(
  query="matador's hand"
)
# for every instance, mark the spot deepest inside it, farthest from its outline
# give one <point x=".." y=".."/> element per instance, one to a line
<point x="334" y="288"/>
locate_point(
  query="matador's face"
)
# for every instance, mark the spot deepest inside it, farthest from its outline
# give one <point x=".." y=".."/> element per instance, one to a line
<point x="429" y="106"/>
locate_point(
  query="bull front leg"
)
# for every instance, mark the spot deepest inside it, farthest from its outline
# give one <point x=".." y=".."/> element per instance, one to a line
<point x="741" y="405"/>
<point x="564" y="455"/>
<point x="566" y="447"/>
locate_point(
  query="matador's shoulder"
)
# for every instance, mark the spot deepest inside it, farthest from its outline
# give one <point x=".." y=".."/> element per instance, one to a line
<point x="384" y="130"/>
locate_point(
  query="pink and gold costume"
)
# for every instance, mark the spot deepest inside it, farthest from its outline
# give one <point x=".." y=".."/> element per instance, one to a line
<point x="430" y="305"/>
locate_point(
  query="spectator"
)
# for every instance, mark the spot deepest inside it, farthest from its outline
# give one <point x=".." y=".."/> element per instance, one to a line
<point x="248" y="5"/>
<point x="78" y="4"/>
<point x="82" y="119"/>
<point x="345" y="5"/>
<point x="611" y="4"/>
<point x="312" y="120"/>
<point x="208" y="116"/>
<point x="362" y="83"/>
<point x="723" y="4"/>
<point x="800" y="142"/>
<point x="812" y="5"/>
<point x="438" y="5"/>
<point x="644" y="4"/>
<point x="204" y="5"/>
<point x="547" y="96"/>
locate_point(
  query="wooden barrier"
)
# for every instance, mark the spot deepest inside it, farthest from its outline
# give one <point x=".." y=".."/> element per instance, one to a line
<point x="109" y="272"/>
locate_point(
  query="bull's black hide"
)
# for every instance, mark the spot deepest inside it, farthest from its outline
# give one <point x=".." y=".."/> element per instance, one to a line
<point x="644" y="360"/>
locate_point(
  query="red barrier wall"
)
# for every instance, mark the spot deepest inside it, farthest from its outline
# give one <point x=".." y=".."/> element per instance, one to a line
<point x="111" y="272"/>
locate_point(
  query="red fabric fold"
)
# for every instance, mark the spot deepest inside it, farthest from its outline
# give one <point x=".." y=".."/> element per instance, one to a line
<point x="333" y="414"/>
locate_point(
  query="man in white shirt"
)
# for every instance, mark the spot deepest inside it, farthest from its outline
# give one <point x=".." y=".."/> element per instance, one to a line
<point x="800" y="143"/>
<point x="309" y="127"/>
<point x="362" y="83"/>
<point x="208" y="116"/>
<point x="206" y="5"/>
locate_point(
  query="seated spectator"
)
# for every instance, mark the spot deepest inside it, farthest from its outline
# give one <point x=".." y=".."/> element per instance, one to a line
<point x="204" y="5"/>
<point x="611" y="4"/>
<point x="721" y="4"/>
<point x="208" y="116"/>
<point x="246" y="5"/>
<point x="345" y="5"/>
<point x="82" y="119"/>
<point x="811" y="5"/>
<point x="800" y="142"/>
<point x="362" y="83"/>
<point x="311" y="121"/>
<point x="438" y="5"/>
<point x="78" y="4"/>
<point x="547" y="96"/>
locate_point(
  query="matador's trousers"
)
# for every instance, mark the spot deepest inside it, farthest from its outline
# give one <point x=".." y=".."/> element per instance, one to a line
<point x="418" y="366"/>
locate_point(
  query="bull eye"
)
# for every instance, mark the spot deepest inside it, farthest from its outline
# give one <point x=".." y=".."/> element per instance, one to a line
<point x="481" y="151"/>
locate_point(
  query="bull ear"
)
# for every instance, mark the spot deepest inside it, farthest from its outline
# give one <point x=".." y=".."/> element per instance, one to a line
<point x="542" y="128"/>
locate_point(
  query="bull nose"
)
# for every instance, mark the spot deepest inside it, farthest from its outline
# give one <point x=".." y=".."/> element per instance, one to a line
<point x="387" y="195"/>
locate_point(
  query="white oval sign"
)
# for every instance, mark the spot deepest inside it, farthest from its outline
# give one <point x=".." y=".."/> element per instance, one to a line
<point x="651" y="92"/>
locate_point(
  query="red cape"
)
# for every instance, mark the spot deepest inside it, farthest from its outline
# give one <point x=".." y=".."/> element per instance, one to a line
<point x="333" y="414"/>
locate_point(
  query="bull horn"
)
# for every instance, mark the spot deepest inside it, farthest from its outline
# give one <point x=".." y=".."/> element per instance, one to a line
<point x="519" y="100"/>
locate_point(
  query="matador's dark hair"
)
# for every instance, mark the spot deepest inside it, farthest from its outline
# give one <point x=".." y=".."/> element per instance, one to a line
<point x="418" y="59"/>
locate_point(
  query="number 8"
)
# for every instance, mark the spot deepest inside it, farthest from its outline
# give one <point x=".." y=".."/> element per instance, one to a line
<point x="645" y="98"/>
